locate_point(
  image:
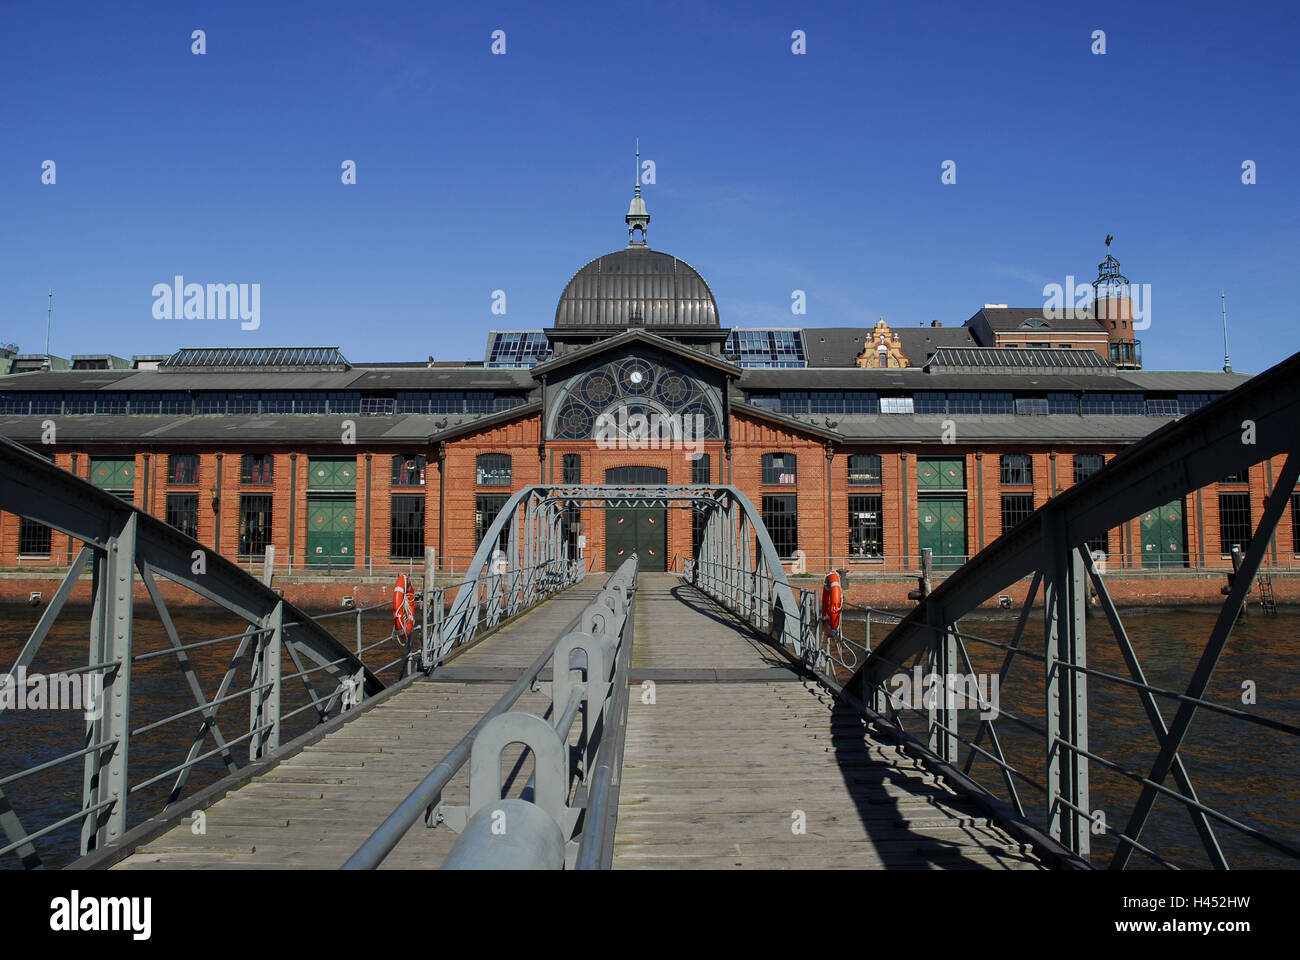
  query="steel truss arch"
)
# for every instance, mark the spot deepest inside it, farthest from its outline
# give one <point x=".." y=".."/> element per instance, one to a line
<point x="121" y="542"/>
<point x="1251" y="424"/>
<point x="737" y="557"/>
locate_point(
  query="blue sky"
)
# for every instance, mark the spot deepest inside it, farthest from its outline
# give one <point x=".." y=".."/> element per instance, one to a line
<point x="774" y="172"/>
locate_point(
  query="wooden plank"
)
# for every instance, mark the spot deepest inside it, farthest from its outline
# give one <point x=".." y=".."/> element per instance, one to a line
<point x="763" y="774"/>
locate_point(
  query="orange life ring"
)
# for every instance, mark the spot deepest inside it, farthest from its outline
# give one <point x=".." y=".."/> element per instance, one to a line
<point x="832" y="600"/>
<point x="403" y="606"/>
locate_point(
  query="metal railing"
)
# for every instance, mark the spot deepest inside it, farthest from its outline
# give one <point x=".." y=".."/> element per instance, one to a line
<point x="1210" y="561"/>
<point x="1251" y="424"/>
<point x="958" y="704"/>
<point x="454" y="614"/>
<point x="148" y="761"/>
<point x="964" y="703"/>
<point x="116" y="717"/>
<point x="538" y="831"/>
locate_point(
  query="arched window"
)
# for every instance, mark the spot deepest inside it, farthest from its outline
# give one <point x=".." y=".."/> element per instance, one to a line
<point x="1017" y="468"/>
<point x="183" y="468"/>
<point x="493" y="470"/>
<point x="864" y="470"/>
<point x="408" y="470"/>
<point x="779" y="469"/>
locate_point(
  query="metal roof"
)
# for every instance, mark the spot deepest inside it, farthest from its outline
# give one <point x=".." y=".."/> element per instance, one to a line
<point x="1011" y="319"/>
<point x="319" y="358"/>
<point x="1190" y="381"/>
<point x="58" y="380"/>
<point x="975" y="428"/>
<point x="441" y="378"/>
<point x="1018" y="359"/>
<point x="254" y="429"/>
<point x="637" y="287"/>
<point x="634" y="336"/>
<point x="841" y="346"/>
<point x="910" y="379"/>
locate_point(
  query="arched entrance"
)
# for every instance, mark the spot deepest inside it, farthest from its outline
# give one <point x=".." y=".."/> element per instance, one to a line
<point x="637" y="530"/>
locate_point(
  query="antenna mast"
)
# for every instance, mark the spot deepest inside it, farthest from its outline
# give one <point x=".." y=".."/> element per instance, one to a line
<point x="1227" y="364"/>
<point x="49" y="314"/>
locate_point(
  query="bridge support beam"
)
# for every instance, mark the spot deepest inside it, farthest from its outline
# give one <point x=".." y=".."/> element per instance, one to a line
<point x="1065" y="612"/>
<point x="105" y="787"/>
<point x="264" y="703"/>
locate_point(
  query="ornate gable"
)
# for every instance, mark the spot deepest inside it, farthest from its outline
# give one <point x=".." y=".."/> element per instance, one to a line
<point x="882" y="349"/>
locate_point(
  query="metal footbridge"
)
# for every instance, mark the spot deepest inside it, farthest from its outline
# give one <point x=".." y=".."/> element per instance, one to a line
<point x="541" y="716"/>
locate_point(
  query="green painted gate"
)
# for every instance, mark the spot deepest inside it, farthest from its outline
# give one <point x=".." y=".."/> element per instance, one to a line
<point x="941" y="526"/>
<point x="1164" y="536"/>
<point x="940" y="473"/>
<point x="332" y="473"/>
<point x="642" y="531"/>
<point x="941" y="517"/>
<point x="114" y="474"/>
<point x="331" y="535"/>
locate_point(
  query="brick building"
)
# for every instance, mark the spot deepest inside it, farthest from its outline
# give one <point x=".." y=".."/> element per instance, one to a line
<point x="859" y="446"/>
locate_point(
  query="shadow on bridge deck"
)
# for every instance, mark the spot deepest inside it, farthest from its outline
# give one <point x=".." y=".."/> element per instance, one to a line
<point x="315" y="808"/>
<point x="736" y="757"/>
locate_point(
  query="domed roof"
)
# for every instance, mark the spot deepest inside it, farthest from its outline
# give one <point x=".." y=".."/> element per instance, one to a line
<point x="637" y="287"/>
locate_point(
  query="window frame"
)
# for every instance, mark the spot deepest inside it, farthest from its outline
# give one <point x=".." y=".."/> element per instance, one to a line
<point x="1021" y="512"/>
<point x="30" y="534"/>
<point x="772" y="475"/>
<point x="1009" y="471"/>
<point x="416" y="476"/>
<point x="866" y="503"/>
<point x="175" y="464"/>
<point x="252" y="503"/>
<point x="403" y="541"/>
<point x="493" y="470"/>
<point x="863" y="478"/>
<point x="178" y="508"/>
<point x="1245" y="524"/>
<point x="250" y="476"/>
<point x="782" y="526"/>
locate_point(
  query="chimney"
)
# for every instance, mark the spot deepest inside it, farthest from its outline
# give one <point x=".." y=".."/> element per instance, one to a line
<point x="936" y="323"/>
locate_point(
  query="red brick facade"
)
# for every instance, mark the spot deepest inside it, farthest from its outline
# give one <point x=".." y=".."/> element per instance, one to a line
<point x="822" y="490"/>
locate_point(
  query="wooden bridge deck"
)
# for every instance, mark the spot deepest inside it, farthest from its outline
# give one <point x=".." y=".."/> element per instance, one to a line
<point x="316" y="808"/>
<point x="733" y="744"/>
<point x="719" y="772"/>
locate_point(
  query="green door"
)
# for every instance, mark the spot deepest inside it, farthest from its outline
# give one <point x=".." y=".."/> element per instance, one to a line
<point x="1164" y="536"/>
<point x="940" y="473"/>
<point x="941" y="526"/>
<point x="330" y="531"/>
<point x="332" y="473"/>
<point x="639" y="531"/>
<point x="114" y="474"/>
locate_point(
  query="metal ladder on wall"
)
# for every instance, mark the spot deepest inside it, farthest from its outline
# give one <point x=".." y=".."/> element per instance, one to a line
<point x="1266" y="599"/>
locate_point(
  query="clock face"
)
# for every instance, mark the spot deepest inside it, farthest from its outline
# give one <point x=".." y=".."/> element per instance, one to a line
<point x="636" y="376"/>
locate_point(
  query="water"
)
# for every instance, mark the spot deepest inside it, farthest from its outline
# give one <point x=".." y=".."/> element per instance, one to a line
<point x="1248" y="772"/>
<point x="159" y="689"/>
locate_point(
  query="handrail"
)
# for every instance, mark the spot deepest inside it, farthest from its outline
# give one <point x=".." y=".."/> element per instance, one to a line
<point x="596" y="848"/>
<point x="426" y="796"/>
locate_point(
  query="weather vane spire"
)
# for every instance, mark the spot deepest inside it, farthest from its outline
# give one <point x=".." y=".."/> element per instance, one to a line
<point x="638" y="219"/>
